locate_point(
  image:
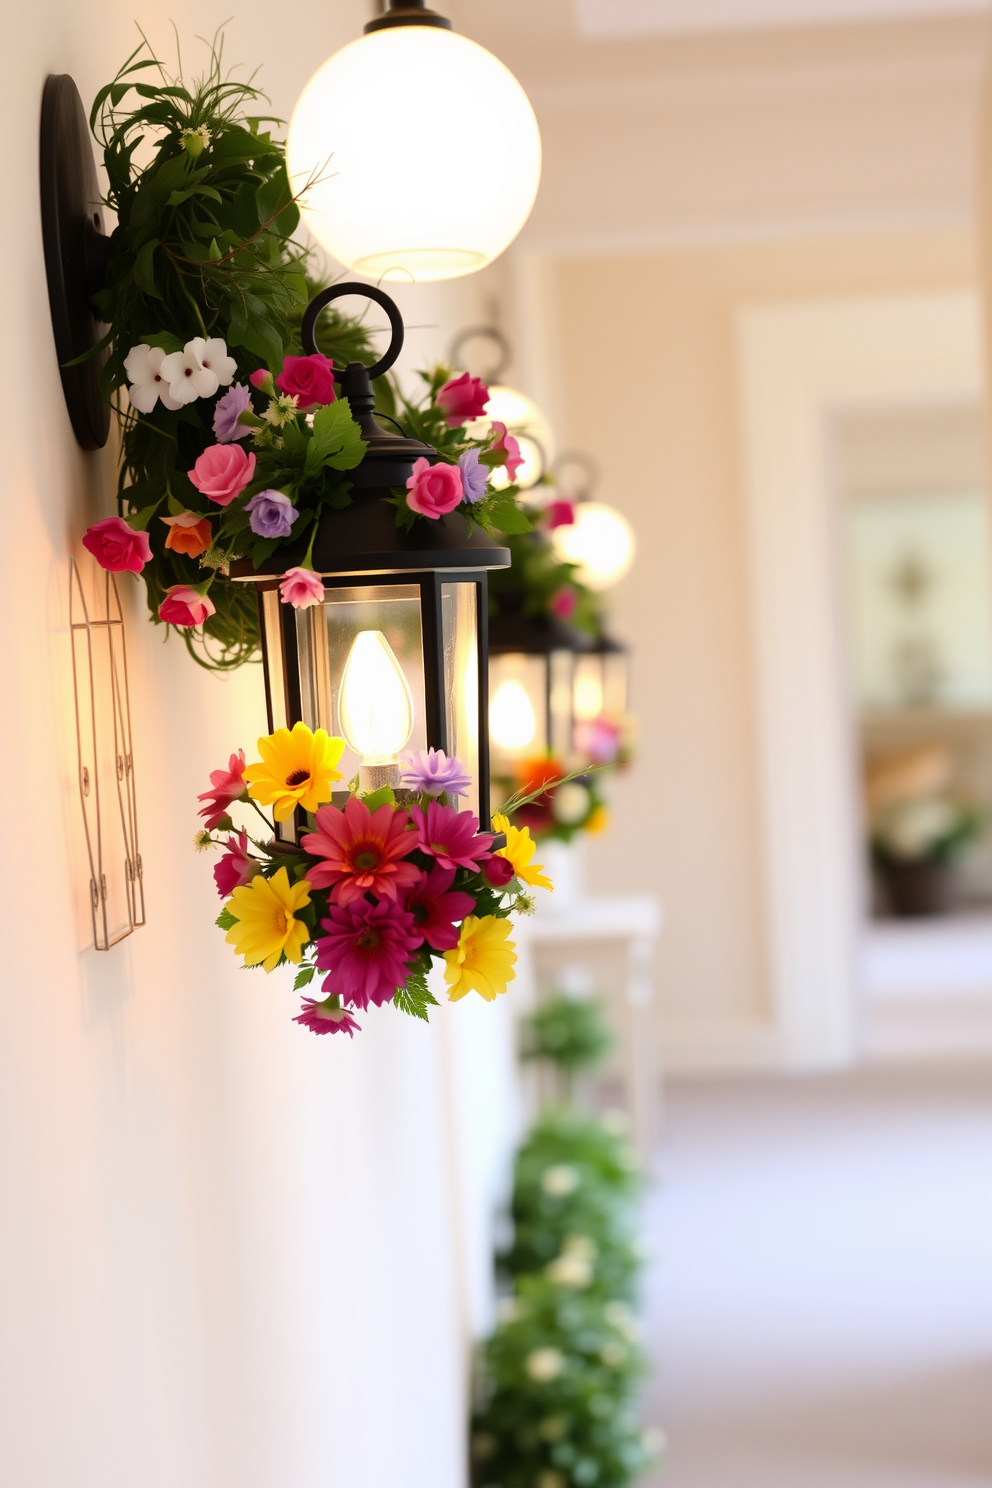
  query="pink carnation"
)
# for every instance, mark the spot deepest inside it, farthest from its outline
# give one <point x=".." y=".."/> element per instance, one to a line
<point x="505" y="444"/>
<point x="226" y="786"/>
<point x="117" y="546"/>
<point x="185" y="607"/>
<point x="433" y="490"/>
<point x="367" y="950"/>
<point x="462" y="398"/>
<point x="236" y="867"/>
<point x="450" y="836"/>
<point x="308" y="378"/>
<point x="222" y="472"/>
<point x="301" y="587"/>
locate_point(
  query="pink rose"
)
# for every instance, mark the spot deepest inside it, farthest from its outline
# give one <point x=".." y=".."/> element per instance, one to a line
<point x="262" y="379"/>
<point x="434" y="489"/>
<point x="560" y="514"/>
<point x="308" y="378"/>
<point x="563" y="602"/>
<point x="301" y="587"/>
<point x="117" y="546"/>
<point x="506" y="444"/>
<point x="222" y="472"/>
<point x="185" y="607"/>
<point x="462" y="398"/>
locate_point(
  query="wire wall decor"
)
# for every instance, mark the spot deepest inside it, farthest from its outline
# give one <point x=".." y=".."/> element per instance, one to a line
<point x="104" y="759"/>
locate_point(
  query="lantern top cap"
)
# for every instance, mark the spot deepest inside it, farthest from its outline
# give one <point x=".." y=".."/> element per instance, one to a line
<point x="407" y="13"/>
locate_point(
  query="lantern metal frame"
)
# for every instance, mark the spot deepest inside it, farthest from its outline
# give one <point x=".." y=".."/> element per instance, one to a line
<point x="360" y="546"/>
<point x="544" y="637"/>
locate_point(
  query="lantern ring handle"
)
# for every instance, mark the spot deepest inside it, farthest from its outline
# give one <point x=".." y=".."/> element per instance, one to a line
<point x="370" y="292"/>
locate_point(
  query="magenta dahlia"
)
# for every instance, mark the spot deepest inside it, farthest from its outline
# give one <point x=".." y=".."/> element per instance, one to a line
<point x="327" y="1017"/>
<point x="366" y="950"/>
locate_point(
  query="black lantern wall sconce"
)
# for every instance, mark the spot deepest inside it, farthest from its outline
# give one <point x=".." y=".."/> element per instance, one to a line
<point x="396" y="655"/>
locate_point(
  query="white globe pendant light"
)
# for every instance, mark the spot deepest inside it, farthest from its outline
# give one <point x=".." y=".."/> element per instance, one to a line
<point x="417" y="151"/>
<point x="600" y="541"/>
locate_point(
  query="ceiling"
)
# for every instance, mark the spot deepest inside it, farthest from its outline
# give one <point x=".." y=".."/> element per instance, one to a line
<point x="612" y="18"/>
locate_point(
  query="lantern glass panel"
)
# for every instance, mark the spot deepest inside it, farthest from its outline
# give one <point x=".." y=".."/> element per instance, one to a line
<point x="460" y="639"/>
<point x="518" y="710"/>
<point x="616" y="684"/>
<point x="326" y="634"/>
<point x="590" y="688"/>
<point x="561" y="684"/>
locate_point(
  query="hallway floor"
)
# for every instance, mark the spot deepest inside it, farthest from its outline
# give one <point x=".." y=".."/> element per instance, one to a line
<point x="820" y="1297"/>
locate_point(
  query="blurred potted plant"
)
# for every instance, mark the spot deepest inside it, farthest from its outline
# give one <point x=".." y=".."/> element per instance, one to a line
<point x="915" y="844"/>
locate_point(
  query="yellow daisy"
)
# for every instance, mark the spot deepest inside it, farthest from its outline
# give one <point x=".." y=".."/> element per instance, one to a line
<point x="267" y="925"/>
<point x="296" y="770"/>
<point x="520" y="848"/>
<point x="598" y="820"/>
<point x="483" y="959"/>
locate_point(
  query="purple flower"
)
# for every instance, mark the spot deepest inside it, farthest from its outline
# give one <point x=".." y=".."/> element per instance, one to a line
<point x="271" y="514"/>
<point x="432" y="772"/>
<point x="234" y="402"/>
<point x="474" y="475"/>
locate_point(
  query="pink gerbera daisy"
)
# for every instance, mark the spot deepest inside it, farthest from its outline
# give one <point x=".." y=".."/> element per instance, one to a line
<point x="226" y="786"/>
<point x="362" y="849"/>
<point x="450" y="836"/>
<point x="327" y="1017"/>
<point x="366" y="950"/>
<point x="435" y="908"/>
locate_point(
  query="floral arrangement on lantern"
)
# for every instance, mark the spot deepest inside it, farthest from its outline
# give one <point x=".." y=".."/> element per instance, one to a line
<point x="376" y="890"/>
<point x="565" y="794"/>
<point x="233" y="442"/>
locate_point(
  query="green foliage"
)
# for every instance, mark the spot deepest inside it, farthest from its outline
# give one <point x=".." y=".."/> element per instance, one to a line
<point x="416" y="997"/>
<point x="226" y="920"/>
<point x="535" y="577"/>
<point x="559" y="1379"/>
<point x="203" y="247"/>
<point x="576" y="1177"/>
<point x="568" y="1033"/>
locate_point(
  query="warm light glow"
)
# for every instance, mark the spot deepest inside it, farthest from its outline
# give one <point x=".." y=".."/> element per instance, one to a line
<point x="600" y="541"/>
<point x="529" y="427"/>
<point x="588" y="700"/>
<point x="375" y="708"/>
<point x="511" y="716"/>
<point x="428" y="154"/>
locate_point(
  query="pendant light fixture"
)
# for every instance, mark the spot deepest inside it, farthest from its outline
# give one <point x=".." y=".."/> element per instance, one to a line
<point x="395" y="654"/>
<point x="417" y="151"/>
<point x="533" y="665"/>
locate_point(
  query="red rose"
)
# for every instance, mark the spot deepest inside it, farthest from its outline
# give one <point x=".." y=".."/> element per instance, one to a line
<point x="117" y="546"/>
<point x="309" y="378"/>
<point x="462" y="399"/>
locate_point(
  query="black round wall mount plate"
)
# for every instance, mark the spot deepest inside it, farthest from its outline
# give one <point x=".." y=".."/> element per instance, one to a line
<point x="75" y="254"/>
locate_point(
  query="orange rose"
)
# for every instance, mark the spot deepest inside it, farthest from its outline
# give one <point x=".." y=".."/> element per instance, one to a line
<point x="189" y="533"/>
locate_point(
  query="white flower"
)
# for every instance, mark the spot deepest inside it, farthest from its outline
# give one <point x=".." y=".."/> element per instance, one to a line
<point x="615" y="1122"/>
<point x="613" y="1354"/>
<point x="281" y="410"/>
<point x="570" y="1270"/>
<point x="579" y="1245"/>
<point x="545" y="1365"/>
<point x="621" y="1318"/>
<point x="560" y="1180"/>
<point x="507" y="1310"/>
<point x="570" y="803"/>
<point x="198" y="370"/>
<point x="146" y="384"/>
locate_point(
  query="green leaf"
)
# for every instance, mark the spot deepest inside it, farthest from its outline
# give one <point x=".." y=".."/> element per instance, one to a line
<point x="304" y="977"/>
<point x="165" y="340"/>
<point x="226" y="920"/>
<point x="177" y="198"/>
<point x="415" y="997"/>
<point x="337" y="440"/>
<point x="383" y="796"/>
<point x="138" y="521"/>
<point x="507" y="516"/>
<point x="144" y="269"/>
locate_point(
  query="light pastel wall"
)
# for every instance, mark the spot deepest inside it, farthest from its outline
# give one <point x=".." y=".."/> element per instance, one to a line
<point x="639" y="361"/>
<point x="230" y="1251"/>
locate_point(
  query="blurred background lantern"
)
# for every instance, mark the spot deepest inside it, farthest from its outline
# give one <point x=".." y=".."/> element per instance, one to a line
<point x="532" y="689"/>
<point x="485" y="352"/>
<point x="600" y="540"/>
<point x="386" y="130"/>
<point x="395" y="655"/>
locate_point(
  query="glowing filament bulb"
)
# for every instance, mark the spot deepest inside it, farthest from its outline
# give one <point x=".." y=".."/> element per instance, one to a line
<point x="375" y="708"/>
<point x="511" y="716"/>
